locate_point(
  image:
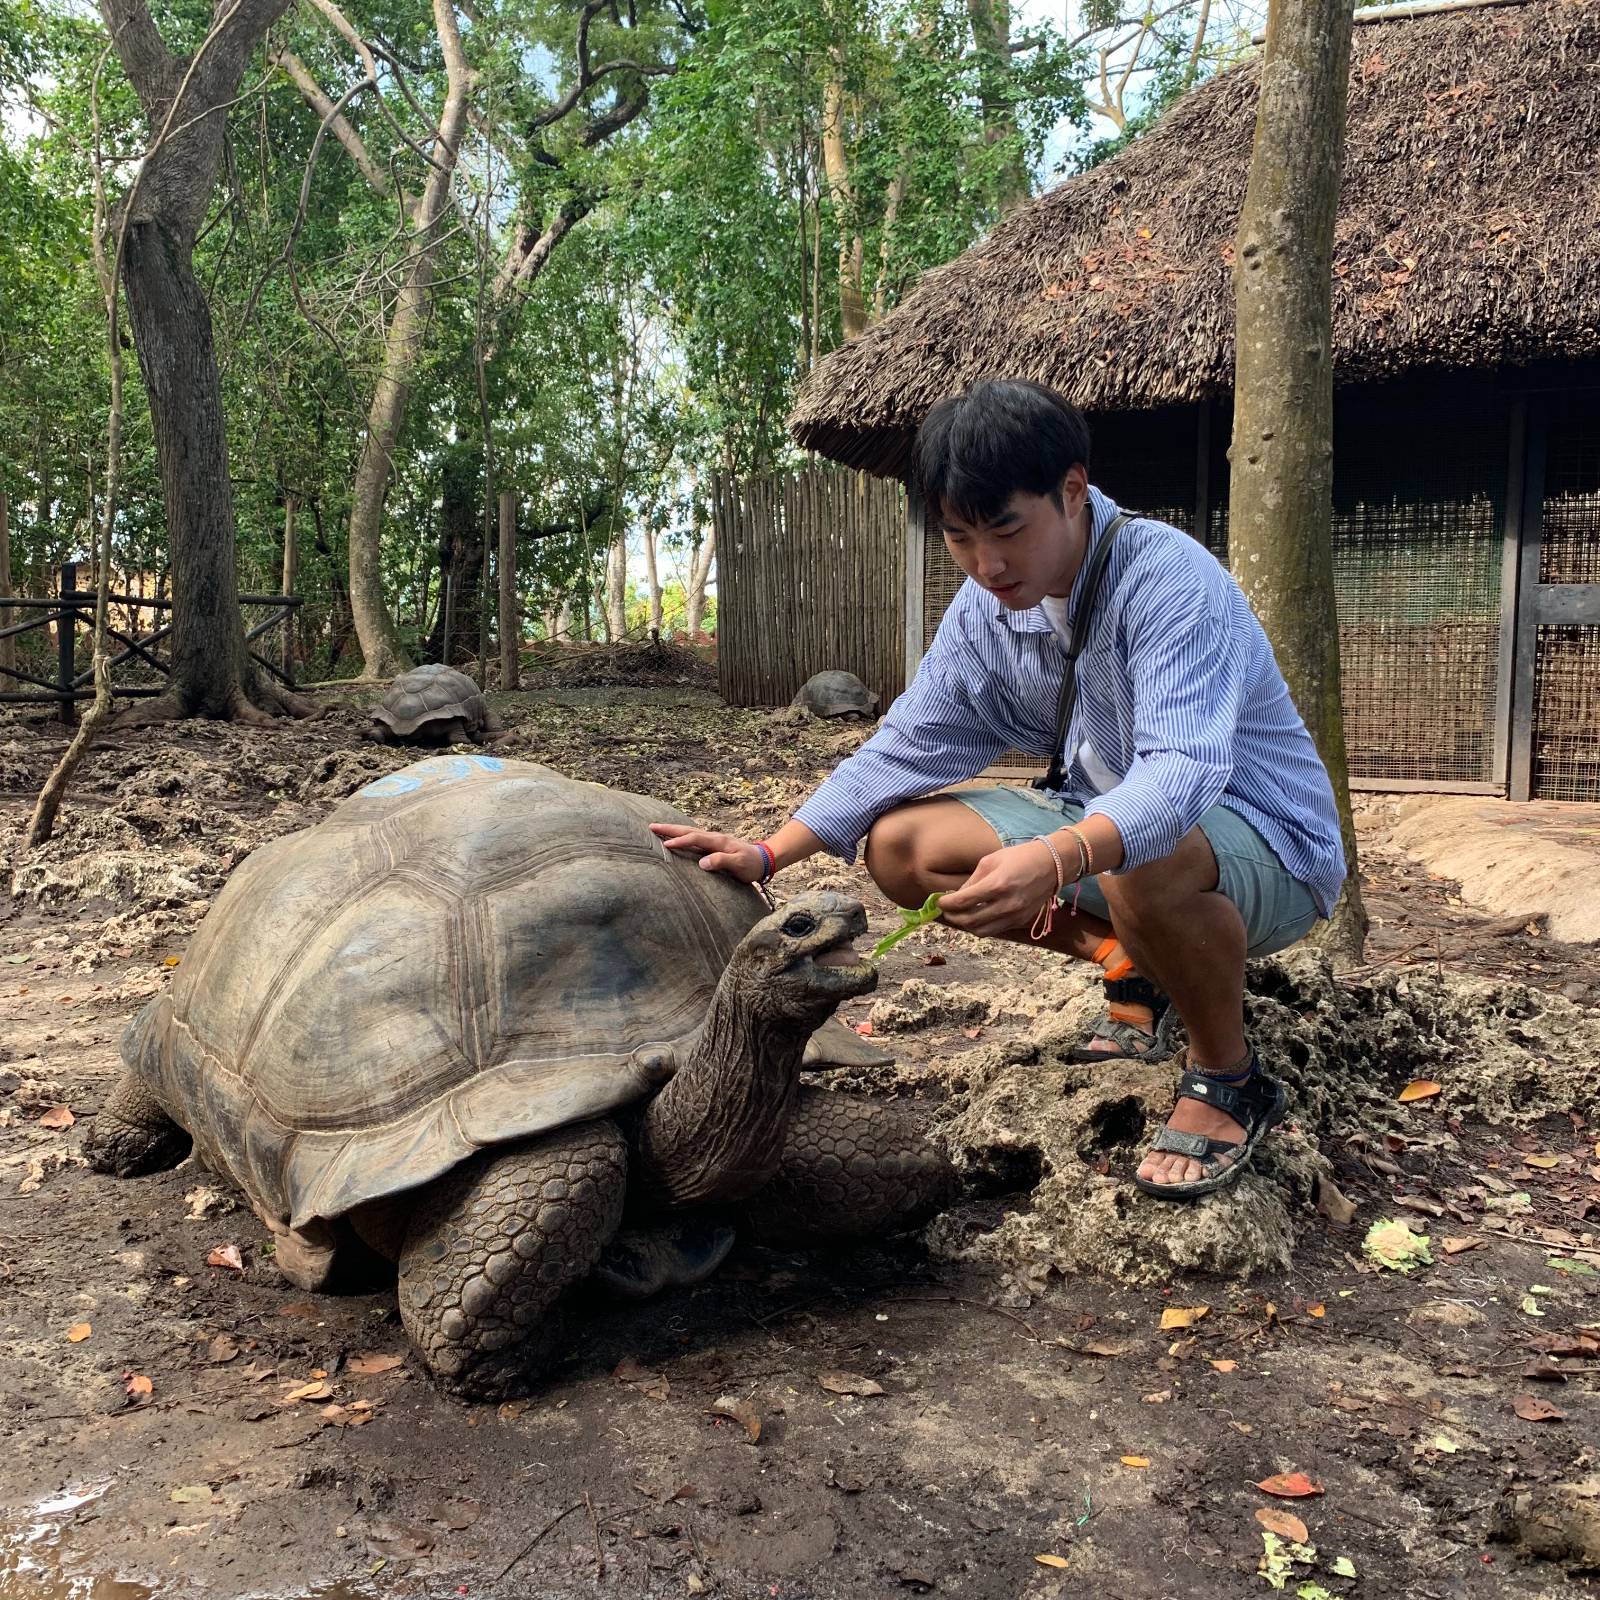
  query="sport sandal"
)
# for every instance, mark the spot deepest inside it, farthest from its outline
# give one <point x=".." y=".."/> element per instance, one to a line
<point x="1129" y="1001"/>
<point x="1257" y="1103"/>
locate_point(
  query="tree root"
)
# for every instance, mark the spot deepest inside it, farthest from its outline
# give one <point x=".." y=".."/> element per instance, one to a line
<point x="261" y="706"/>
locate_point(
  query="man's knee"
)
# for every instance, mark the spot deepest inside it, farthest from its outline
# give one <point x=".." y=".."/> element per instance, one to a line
<point x="892" y="857"/>
<point x="1159" y="885"/>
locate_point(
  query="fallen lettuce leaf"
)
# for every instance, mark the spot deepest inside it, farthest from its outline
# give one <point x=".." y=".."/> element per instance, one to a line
<point x="1393" y="1245"/>
<point x="911" y="921"/>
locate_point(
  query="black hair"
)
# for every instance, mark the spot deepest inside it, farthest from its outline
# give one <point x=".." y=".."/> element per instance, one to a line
<point x="977" y="449"/>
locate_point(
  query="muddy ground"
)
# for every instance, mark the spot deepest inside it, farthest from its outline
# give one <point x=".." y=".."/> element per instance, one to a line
<point x="991" y="1409"/>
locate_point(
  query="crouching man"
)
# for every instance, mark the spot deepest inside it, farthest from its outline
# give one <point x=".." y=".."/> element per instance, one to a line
<point x="1187" y="822"/>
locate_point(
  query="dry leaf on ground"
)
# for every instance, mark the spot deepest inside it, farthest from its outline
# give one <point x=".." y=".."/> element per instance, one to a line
<point x="227" y="1256"/>
<point x="1134" y="1461"/>
<point x="78" y="1332"/>
<point x="1419" y="1089"/>
<point x="223" y="1348"/>
<point x="1284" y="1523"/>
<point x="319" y="1390"/>
<point x="138" y="1386"/>
<point x="1182" y="1316"/>
<point x="368" y="1362"/>
<point x="1532" y="1409"/>
<point x="848" y="1383"/>
<point x="1458" y="1243"/>
<point x="57" y="1117"/>
<point x="740" y="1411"/>
<point x="1226" y="1366"/>
<point x="1051" y="1561"/>
<point x="1290" y="1486"/>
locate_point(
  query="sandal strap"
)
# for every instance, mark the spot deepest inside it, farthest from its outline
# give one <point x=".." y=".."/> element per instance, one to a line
<point x="1195" y="1145"/>
<point x="1137" y="991"/>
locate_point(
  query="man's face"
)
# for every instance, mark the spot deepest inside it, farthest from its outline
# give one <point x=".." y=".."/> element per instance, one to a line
<point x="1033" y="548"/>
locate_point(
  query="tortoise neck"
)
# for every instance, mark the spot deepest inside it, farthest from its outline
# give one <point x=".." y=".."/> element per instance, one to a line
<point x="715" y="1133"/>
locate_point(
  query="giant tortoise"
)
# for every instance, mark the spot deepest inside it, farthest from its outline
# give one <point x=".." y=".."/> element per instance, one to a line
<point x="433" y="704"/>
<point x="478" y="1013"/>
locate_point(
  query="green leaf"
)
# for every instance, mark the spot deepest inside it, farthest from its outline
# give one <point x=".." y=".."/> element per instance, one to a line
<point x="1343" y="1567"/>
<point x="910" y="922"/>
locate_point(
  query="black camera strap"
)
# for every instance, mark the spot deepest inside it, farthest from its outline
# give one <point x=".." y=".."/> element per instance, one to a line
<point x="1101" y="555"/>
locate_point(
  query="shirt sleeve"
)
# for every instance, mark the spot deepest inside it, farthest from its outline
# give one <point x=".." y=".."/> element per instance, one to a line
<point x="931" y="737"/>
<point x="1187" y="669"/>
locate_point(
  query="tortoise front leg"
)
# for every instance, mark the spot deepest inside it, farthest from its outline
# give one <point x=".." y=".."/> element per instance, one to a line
<point x="492" y="1246"/>
<point x="132" y="1134"/>
<point x="851" y="1168"/>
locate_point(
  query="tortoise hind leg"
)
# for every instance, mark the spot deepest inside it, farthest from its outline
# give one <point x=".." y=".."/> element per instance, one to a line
<point x="851" y="1168"/>
<point x="493" y="1245"/>
<point x="132" y="1135"/>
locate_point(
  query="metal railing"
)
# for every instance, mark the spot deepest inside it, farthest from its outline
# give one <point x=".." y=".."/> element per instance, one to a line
<point x="73" y="607"/>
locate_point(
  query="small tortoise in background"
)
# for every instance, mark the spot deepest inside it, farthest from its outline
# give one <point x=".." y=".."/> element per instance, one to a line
<point x="434" y="704"/>
<point x="477" y="1013"/>
<point x="835" y="694"/>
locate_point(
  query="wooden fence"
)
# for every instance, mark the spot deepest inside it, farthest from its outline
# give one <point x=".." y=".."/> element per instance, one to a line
<point x="810" y="577"/>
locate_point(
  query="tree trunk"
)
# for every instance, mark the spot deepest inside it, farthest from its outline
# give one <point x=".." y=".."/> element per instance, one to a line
<point x="1280" y="543"/>
<point x="402" y="350"/>
<point x="8" y="647"/>
<point x="699" y="573"/>
<point x="290" y="557"/>
<point x="510" y="618"/>
<point x="991" y="39"/>
<point x="852" y="305"/>
<point x="653" y="578"/>
<point x="616" y="607"/>
<point x="212" y="674"/>
<point x="460" y="560"/>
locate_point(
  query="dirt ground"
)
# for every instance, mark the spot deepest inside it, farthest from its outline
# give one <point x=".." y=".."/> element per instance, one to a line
<point x="991" y="1409"/>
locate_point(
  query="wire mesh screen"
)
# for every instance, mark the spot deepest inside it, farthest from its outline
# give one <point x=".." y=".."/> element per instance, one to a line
<point x="1566" y="692"/>
<point x="1571" y="539"/>
<point x="1419" y="501"/>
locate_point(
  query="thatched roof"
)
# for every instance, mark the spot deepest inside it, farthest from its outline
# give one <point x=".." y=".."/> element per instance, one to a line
<point x="1468" y="236"/>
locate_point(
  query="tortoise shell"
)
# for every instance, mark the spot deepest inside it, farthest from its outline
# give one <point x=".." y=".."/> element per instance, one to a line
<point x="465" y="952"/>
<point x="430" y="693"/>
<point x="836" y="694"/>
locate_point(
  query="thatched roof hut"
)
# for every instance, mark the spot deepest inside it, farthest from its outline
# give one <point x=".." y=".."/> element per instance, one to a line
<point x="1466" y="239"/>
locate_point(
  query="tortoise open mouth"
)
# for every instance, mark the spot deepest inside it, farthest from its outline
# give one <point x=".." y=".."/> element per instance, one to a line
<point x="839" y="969"/>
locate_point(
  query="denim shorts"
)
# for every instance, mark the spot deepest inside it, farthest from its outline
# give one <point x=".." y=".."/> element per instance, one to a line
<point x="1278" y="910"/>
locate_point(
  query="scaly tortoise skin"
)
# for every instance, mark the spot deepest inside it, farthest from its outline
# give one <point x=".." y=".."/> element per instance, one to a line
<point x="473" y="1015"/>
<point x="433" y="704"/>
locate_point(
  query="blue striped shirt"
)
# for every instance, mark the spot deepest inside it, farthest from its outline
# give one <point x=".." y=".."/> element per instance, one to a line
<point x="1180" y="702"/>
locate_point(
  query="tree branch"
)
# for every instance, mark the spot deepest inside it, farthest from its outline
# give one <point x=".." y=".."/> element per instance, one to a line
<point x="332" y="117"/>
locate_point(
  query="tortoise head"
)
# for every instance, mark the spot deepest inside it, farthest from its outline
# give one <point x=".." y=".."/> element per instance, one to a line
<point x="798" y="964"/>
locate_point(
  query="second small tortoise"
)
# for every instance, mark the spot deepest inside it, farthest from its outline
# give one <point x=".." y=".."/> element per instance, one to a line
<point x="434" y="705"/>
<point x="835" y="694"/>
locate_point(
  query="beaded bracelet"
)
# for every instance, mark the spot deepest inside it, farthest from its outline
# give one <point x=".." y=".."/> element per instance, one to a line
<point x="768" y="858"/>
<point x="1043" y="923"/>
<point x="1084" y="850"/>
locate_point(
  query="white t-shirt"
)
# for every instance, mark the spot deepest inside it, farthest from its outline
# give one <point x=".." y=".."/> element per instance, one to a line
<point x="1099" y="774"/>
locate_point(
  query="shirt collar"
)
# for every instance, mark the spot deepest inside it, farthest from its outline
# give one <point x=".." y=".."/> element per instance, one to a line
<point x="1102" y="509"/>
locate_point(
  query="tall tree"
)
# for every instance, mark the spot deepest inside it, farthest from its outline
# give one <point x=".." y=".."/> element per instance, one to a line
<point x="1280" y="540"/>
<point x="185" y="101"/>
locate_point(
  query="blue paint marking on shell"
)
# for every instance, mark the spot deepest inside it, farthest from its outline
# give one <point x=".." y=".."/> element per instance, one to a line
<point x="438" y="770"/>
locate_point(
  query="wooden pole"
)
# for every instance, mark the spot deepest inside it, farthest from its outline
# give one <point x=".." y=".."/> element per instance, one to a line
<point x="8" y="647"/>
<point x="510" y="619"/>
<point x="290" y="558"/>
<point x="66" y="635"/>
